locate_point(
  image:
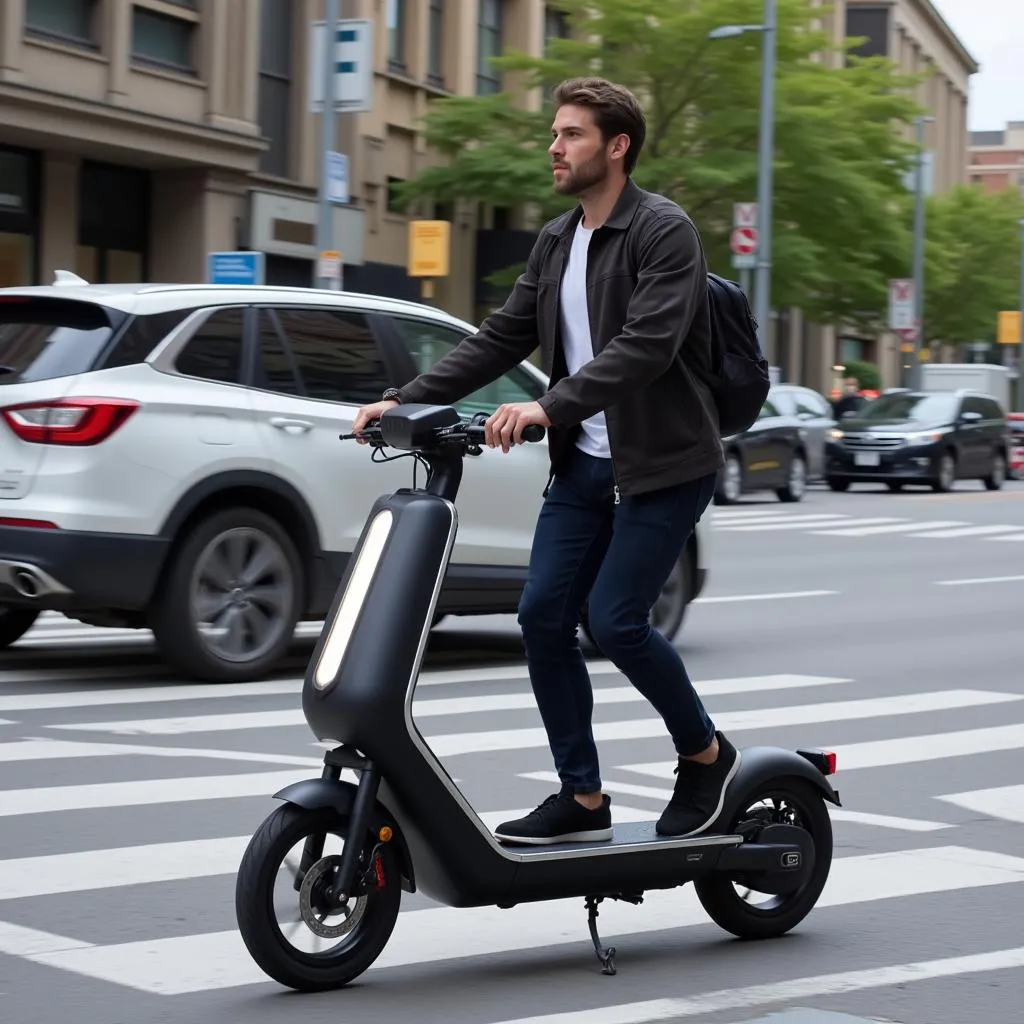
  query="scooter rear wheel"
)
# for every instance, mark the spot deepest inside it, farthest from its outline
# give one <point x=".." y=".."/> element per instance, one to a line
<point x="362" y="934"/>
<point x="718" y="893"/>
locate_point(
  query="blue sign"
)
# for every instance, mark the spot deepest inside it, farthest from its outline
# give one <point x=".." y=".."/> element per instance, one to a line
<point x="336" y="171"/>
<point x="235" y="267"/>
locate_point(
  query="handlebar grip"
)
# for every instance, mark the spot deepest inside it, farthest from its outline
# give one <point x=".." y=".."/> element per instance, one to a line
<point x="533" y="433"/>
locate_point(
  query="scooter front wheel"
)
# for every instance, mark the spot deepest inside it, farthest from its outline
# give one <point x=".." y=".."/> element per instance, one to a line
<point x="785" y="802"/>
<point x="286" y="918"/>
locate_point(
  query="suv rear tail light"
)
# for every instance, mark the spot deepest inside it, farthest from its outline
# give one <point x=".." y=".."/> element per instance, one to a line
<point x="69" y="421"/>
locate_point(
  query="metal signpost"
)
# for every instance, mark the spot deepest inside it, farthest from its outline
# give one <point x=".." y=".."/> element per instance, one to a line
<point x="744" y="242"/>
<point x="765" y="152"/>
<point x="341" y="69"/>
<point x="1020" y="328"/>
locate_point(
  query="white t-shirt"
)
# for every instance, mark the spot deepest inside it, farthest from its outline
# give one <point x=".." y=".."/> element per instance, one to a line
<point x="579" y="347"/>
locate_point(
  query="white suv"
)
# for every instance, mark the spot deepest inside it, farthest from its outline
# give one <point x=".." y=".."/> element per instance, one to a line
<point x="169" y="459"/>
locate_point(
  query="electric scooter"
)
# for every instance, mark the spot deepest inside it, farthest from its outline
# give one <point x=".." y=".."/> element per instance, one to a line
<point x="405" y="824"/>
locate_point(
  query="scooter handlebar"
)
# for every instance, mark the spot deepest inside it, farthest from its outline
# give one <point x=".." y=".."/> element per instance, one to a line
<point x="468" y="434"/>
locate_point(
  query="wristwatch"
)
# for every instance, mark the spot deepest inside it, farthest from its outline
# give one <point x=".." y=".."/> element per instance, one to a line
<point x="392" y="395"/>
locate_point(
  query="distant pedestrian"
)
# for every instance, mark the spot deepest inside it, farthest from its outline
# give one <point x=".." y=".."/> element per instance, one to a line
<point x="851" y="399"/>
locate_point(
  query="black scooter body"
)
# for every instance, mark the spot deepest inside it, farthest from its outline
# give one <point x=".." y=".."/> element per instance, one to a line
<point x="358" y="695"/>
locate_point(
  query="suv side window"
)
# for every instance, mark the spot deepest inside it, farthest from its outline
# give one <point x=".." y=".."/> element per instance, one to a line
<point x="974" y="404"/>
<point x="142" y="335"/>
<point x="992" y="410"/>
<point x="214" y="352"/>
<point x="767" y="411"/>
<point x="812" y="403"/>
<point x="275" y="368"/>
<point x="427" y="342"/>
<point x="335" y="353"/>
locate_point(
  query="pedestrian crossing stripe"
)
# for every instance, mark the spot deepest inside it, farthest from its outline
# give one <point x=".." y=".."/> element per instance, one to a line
<point x="188" y="964"/>
<point x="172" y="965"/>
<point x="758" y="997"/>
<point x="839" y="524"/>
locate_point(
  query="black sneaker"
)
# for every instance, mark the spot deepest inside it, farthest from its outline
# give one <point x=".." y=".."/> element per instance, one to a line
<point x="559" y="819"/>
<point x="699" y="792"/>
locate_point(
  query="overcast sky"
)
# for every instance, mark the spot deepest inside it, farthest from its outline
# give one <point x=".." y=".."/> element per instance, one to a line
<point x="993" y="33"/>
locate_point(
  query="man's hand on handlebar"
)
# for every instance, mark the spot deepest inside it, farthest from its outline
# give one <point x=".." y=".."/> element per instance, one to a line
<point x="367" y="414"/>
<point x="505" y="427"/>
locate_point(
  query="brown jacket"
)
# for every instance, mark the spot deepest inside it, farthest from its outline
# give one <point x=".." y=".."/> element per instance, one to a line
<point x="650" y="324"/>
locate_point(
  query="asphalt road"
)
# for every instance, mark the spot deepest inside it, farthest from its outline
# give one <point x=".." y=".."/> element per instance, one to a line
<point x="127" y="799"/>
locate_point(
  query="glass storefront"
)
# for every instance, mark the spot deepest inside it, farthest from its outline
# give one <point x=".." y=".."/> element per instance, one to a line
<point x="19" y="217"/>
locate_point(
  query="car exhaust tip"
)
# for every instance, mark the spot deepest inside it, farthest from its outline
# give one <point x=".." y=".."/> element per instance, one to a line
<point x="26" y="583"/>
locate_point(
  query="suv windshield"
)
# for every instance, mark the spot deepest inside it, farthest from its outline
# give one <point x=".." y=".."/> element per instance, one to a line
<point x="45" y="338"/>
<point x="916" y="408"/>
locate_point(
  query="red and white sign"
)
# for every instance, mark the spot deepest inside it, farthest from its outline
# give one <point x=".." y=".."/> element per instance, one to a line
<point x="901" y="305"/>
<point x="743" y="241"/>
<point x="744" y="215"/>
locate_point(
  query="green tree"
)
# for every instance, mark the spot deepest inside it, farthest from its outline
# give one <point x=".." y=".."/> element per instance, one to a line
<point x="972" y="262"/>
<point x="841" y="213"/>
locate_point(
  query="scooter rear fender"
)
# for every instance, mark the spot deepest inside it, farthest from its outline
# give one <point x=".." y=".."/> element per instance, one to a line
<point x="762" y="765"/>
<point x="313" y="794"/>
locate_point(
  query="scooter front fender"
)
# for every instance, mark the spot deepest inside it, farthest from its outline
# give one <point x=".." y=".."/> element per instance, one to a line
<point x="339" y="795"/>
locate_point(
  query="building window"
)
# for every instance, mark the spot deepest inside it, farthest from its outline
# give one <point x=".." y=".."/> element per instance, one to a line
<point x="67" y="20"/>
<point x="392" y="204"/>
<point x="396" y="35"/>
<point x="275" y="85"/>
<point x="435" y="43"/>
<point x="113" y="223"/>
<point x="19" y="217"/>
<point x="556" y="26"/>
<point x="162" y="39"/>
<point x="488" y="45"/>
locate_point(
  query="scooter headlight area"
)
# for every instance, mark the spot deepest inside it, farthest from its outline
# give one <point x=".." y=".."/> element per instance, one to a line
<point x="406" y="826"/>
<point x="331" y="652"/>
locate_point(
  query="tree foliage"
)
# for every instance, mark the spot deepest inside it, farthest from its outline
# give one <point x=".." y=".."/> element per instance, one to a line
<point x="972" y="262"/>
<point x="842" y="216"/>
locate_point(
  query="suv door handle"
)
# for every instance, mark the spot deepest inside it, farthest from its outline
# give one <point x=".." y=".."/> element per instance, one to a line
<point x="285" y="423"/>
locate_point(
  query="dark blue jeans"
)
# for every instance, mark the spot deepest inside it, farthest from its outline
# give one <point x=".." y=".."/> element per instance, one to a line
<point x="616" y="559"/>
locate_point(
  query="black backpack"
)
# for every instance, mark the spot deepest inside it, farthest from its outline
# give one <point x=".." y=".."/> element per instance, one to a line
<point x="740" y="381"/>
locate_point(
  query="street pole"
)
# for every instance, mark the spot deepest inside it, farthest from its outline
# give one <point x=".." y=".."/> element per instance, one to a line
<point x="766" y="145"/>
<point x="914" y="360"/>
<point x="325" y="220"/>
<point x="1020" y="347"/>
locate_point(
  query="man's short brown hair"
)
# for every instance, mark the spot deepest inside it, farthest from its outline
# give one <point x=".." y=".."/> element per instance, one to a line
<point x="616" y="111"/>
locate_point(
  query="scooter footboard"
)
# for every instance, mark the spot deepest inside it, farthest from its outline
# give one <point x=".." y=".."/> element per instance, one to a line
<point x="340" y="796"/>
<point x="762" y="765"/>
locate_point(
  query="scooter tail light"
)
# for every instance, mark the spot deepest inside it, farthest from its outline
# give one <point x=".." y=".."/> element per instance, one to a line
<point x="824" y="760"/>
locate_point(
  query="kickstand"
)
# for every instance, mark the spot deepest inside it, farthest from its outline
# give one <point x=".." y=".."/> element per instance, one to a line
<point x="606" y="956"/>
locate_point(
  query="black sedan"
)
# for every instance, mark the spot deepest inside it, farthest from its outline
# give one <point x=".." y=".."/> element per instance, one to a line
<point x="770" y="456"/>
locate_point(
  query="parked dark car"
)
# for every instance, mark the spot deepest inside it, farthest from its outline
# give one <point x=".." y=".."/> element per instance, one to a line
<point x="770" y="456"/>
<point x="921" y="437"/>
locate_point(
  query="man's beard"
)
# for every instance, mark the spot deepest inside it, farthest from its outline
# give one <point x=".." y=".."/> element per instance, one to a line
<point x="584" y="177"/>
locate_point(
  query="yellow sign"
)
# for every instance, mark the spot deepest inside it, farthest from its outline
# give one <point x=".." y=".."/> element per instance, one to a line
<point x="428" y="248"/>
<point x="1008" y="332"/>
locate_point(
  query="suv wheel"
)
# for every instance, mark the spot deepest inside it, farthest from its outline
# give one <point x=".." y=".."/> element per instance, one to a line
<point x="997" y="474"/>
<point x="730" y="481"/>
<point x="229" y="605"/>
<point x="946" y="474"/>
<point x="796" y="482"/>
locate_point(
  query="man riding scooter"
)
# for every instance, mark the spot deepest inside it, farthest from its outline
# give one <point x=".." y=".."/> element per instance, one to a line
<point x="635" y="451"/>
